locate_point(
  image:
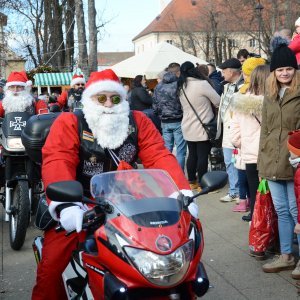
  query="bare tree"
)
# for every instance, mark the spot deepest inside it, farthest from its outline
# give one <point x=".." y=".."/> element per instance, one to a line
<point x="82" y="48"/>
<point x="92" y="36"/>
<point x="69" y="29"/>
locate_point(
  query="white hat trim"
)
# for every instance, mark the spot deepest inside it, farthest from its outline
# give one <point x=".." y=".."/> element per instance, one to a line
<point x="297" y="23"/>
<point x="105" y="86"/>
<point x="21" y="83"/>
<point x="77" y="80"/>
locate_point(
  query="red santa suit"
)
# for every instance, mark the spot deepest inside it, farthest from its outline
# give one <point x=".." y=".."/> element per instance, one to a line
<point x="293" y="145"/>
<point x="61" y="161"/>
<point x="62" y="100"/>
<point x="20" y="100"/>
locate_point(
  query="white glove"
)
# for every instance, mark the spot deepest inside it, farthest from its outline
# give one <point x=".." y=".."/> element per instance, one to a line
<point x="193" y="207"/>
<point x="71" y="218"/>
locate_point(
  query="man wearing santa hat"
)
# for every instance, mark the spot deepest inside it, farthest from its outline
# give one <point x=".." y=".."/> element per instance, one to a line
<point x="83" y="144"/>
<point x="71" y="98"/>
<point x="17" y="97"/>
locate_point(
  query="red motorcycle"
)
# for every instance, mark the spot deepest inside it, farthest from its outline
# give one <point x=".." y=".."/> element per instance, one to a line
<point x="141" y="241"/>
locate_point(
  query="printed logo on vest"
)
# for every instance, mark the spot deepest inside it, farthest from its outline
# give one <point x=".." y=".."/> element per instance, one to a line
<point x="91" y="168"/>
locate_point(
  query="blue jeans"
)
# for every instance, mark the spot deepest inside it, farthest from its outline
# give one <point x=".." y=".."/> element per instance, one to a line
<point x="172" y="134"/>
<point x="284" y="200"/>
<point x="232" y="172"/>
<point x="243" y="184"/>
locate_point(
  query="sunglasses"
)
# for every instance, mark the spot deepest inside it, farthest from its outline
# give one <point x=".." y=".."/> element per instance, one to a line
<point x="80" y="84"/>
<point x="115" y="99"/>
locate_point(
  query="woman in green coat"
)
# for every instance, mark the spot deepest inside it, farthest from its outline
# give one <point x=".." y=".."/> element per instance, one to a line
<point x="281" y="114"/>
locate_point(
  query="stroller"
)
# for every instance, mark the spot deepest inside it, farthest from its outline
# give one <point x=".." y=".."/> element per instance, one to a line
<point x="216" y="160"/>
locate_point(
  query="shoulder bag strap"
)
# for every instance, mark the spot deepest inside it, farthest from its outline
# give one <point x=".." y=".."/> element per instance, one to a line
<point x="192" y="106"/>
<point x="256" y="118"/>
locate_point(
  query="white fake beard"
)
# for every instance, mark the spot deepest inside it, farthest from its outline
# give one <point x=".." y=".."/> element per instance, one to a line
<point x="109" y="125"/>
<point x="16" y="101"/>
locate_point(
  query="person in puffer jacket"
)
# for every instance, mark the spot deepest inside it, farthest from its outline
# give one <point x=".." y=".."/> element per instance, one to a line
<point x="167" y="106"/>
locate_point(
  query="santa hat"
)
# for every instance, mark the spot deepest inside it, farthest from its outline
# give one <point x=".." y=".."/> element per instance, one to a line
<point x="297" y="23"/>
<point x="77" y="79"/>
<point x="18" y="78"/>
<point x="104" y="81"/>
<point x="293" y="142"/>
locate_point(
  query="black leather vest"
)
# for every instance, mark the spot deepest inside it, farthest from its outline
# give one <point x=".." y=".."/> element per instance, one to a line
<point x="94" y="159"/>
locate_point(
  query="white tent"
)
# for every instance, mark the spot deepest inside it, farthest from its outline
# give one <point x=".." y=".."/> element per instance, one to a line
<point x="150" y="63"/>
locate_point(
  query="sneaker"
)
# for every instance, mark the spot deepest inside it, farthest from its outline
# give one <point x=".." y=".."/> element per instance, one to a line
<point x="296" y="272"/>
<point x="229" y="198"/>
<point x="279" y="264"/>
<point x="241" y="207"/>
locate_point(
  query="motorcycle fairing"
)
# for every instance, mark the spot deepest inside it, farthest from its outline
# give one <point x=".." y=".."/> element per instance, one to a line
<point x="75" y="279"/>
<point x="14" y="123"/>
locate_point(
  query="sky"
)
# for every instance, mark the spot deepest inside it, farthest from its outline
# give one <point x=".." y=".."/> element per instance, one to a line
<point x="127" y="19"/>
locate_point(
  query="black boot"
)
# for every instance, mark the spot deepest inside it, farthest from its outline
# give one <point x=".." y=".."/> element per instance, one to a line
<point x="247" y="218"/>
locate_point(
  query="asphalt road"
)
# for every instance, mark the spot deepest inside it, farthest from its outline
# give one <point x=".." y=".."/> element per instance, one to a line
<point x="232" y="272"/>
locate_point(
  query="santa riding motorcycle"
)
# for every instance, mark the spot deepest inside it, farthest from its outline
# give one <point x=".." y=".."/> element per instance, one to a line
<point x="17" y="174"/>
<point x="104" y="136"/>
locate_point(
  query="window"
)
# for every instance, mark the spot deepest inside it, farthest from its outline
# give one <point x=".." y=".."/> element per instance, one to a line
<point x="169" y="41"/>
<point x="232" y="43"/>
<point x="252" y="43"/>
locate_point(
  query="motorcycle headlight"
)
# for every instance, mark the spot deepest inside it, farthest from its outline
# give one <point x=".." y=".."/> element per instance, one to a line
<point x="162" y="270"/>
<point x="15" y="144"/>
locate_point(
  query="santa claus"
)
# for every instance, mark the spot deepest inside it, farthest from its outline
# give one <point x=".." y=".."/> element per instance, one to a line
<point x="68" y="100"/>
<point x="17" y="97"/>
<point x="92" y="141"/>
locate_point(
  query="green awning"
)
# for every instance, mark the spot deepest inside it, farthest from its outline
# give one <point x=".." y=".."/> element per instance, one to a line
<point x="52" y="79"/>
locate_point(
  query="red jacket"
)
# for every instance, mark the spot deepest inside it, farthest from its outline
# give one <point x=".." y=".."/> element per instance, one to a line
<point x="297" y="189"/>
<point x="295" y="46"/>
<point x="62" y="99"/>
<point x="40" y="104"/>
<point x="60" y="152"/>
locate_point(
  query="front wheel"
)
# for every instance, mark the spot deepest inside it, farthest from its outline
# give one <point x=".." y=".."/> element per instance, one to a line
<point x="20" y="214"/>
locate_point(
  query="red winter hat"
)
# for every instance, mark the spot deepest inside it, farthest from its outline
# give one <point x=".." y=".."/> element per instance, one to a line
<point x="18" y="78"/>
<point x="293" y="142"/>
<point x="77" y="79"/>
<point x="104" y="81"/>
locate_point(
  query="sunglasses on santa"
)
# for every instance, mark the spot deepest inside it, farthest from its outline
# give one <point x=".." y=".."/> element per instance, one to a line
<point x="102" y="98"/>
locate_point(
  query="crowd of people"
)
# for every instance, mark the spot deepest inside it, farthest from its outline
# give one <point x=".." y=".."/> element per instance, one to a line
<point x="257" y="106"/>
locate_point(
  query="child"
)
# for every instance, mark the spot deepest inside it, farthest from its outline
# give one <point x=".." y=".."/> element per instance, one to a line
<point x="294" y="148"/>
<point x="294" y="45"/>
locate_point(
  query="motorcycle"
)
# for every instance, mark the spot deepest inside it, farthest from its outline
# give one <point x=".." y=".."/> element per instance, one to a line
<point x="18" y="177"/>
<point x="141" y="242"/>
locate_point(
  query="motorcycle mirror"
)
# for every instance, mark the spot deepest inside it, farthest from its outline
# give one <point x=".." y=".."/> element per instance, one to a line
<point x="65" y="191"/>
<point x="212" y="181"/>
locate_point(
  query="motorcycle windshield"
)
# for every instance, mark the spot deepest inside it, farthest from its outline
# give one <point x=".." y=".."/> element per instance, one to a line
<point x="148" y="197"/>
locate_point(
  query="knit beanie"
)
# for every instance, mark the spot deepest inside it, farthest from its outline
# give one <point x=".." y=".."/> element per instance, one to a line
<point x="251" y="63"/>
<point x="283" y="56"/>
<point x="248" y="66"/>
<point x="293" y="142"/>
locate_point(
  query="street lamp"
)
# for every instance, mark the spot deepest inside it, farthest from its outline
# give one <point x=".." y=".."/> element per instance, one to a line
<point x="259" y="9"/>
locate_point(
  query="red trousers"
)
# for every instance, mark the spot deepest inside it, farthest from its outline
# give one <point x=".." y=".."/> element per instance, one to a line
<point x="56" y="254"/>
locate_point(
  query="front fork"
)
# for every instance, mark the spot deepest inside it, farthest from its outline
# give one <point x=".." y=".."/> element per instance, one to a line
<point x="8" y="195"/>
<point x="8" y="192"/>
